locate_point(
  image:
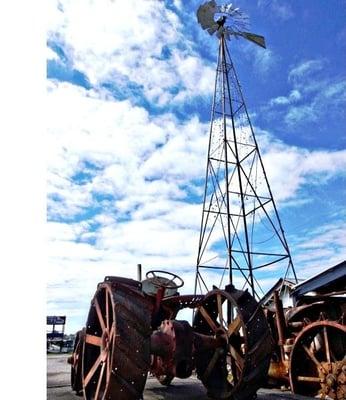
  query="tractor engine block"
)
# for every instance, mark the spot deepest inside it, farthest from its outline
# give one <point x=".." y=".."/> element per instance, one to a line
<point x="171" y="347"/>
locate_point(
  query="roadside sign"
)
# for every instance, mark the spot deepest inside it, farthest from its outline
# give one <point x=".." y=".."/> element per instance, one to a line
<point x="56" y="320"/>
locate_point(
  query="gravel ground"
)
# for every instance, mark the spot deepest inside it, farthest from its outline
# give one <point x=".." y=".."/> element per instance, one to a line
<point x="58" y="386"/>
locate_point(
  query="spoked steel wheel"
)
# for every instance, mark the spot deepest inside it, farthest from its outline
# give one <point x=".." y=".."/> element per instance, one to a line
<point x="76" y="362"/>
<point x="116" y="347"/>
<point x="238" y="367"/>
<point x="318" y="361"/>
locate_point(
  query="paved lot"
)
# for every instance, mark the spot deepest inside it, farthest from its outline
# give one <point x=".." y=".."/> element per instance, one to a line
<point x="58" y="386"/>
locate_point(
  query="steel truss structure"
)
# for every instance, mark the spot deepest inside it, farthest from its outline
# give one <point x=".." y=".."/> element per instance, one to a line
<point x="241" y="232"/>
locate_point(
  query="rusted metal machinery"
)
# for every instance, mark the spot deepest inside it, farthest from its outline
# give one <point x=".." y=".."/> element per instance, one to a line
<point x="310" y="351"/>
<point x="131" y="330"/>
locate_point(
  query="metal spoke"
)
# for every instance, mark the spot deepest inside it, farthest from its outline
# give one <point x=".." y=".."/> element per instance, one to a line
<point x="234" y="326"/>
<point x="112" y="332"/>
<point x="237" y="357"/>
<point x="219" y="307"/>
<point x="107" y="310"/>
<point x="99" y="314"/>
<point x="312" y="356"/>
<point x="309" y="379"/>
<point x="99" y="381"/>
<point x="92" y="339"/>
<point x="169" y="282"/>
<point x="207" y="317"/>
<point x="212" y="362"/>
<point x="93" y="370"/>
<point x="326" y="343"/>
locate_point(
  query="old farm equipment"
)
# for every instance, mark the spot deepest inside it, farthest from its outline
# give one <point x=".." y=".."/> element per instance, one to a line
<point x="310" y="351"/>
<point x="132" y="329"/>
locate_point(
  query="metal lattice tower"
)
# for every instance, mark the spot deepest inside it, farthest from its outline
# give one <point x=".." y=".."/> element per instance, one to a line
<point x="241" y="237"/>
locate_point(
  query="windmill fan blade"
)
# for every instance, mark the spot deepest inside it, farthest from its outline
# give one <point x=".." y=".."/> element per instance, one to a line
<point x="213" y="29"/>
<point x="231" y="22"/>
<point x="206" y="12"/>
<point x="259" y="40"/>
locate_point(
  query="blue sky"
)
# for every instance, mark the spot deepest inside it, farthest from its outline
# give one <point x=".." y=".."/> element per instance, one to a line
<point x="128" y="101"/>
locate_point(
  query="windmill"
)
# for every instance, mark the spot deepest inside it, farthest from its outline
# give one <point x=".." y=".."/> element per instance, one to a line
<point x="241" y="234"/>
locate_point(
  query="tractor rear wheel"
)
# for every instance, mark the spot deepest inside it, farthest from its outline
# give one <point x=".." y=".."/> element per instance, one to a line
<point x="116" y="352"/>
<point x="238" y="368"/>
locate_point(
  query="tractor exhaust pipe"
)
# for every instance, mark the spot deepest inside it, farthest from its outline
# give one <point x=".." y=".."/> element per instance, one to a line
<point x="139" y="272"/>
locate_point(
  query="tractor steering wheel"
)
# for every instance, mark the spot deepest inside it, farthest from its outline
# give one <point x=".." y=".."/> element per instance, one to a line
<point x="169" y="284"/>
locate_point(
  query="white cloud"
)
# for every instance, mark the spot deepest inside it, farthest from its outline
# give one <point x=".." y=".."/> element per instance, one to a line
<point x="291" y="168"/>
<point x="263" y="59"/>
<point x="330" y="233"/>
<point x="113" y="41"/>
<point x="140" y="156"/>
<point x="293" y="97"/>
<point x="121" y="141"/>
<point x="312" y="96"/>
<point x="321" y="248"/>
<point x="194" y="74"/>
<point x="88" y="124"/>
<point x="178" y="4"/>
<point x="305" y="69"/>
<point x="300" y="113"/>
<point x="318" y="98"/>
<point x="336" y="91"/>
<point x="279" y="9"/>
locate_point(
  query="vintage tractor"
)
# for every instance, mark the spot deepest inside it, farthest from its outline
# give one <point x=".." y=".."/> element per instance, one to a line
<point x="131" y="330"/>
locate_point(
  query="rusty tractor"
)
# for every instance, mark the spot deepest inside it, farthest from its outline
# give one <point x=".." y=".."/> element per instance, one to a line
<point x="131" y="330"/>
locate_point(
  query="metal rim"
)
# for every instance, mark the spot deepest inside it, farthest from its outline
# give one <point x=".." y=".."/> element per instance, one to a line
<point x="76" y="362"/>
<point x="318" y="361"/>
<point x="99" y="345"/>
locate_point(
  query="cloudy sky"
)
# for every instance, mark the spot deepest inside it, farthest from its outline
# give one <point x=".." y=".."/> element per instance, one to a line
<point x="128" y="105"/>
